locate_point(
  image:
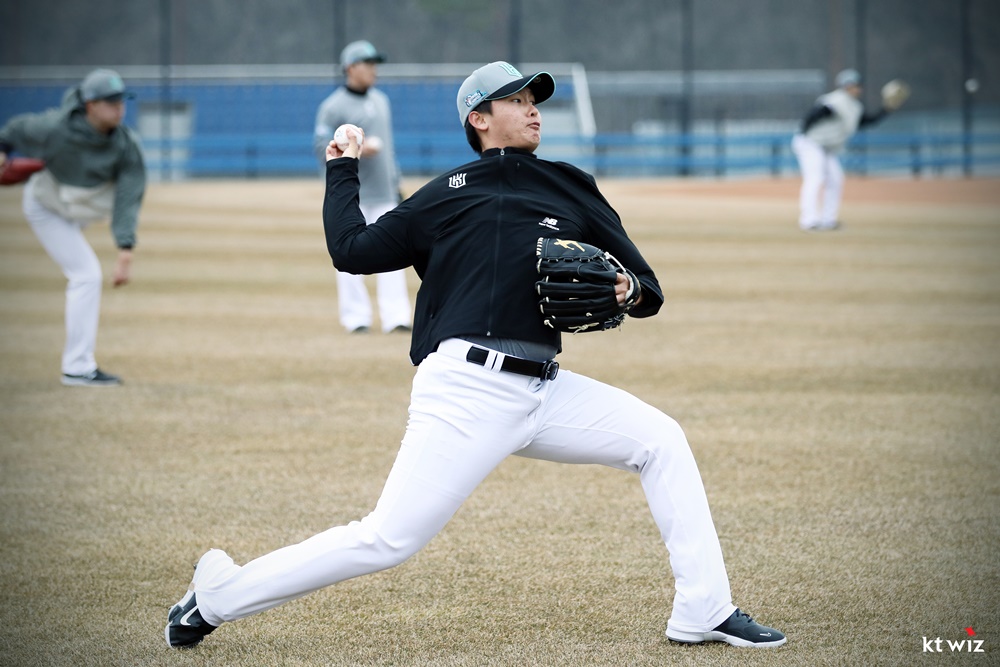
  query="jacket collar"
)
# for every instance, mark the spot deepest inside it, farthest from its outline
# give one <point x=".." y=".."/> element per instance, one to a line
<point x="494" y="152"/>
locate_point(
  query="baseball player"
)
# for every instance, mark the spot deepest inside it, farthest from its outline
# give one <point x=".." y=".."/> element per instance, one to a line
<point x="826" y="129"/>
<point x="487" y="385"/>
<point x="94" y="169"/>
<point x="359" y="103"/>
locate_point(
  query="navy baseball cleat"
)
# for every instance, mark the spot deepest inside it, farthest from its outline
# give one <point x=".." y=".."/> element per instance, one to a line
<point x="185" y="626"/>
<point x="737" y="630"/>
<point x="95" y="378"/>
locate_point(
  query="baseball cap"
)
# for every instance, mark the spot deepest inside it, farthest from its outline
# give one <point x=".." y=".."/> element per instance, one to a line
<point x="497" y="80"/>
<point x="359" y="51"/>
<point x="103" y="84"/>
<point x="848" y="77"/>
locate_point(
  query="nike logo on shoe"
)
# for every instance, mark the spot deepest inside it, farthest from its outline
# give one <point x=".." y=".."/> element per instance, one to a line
<point x="185" y="617"/>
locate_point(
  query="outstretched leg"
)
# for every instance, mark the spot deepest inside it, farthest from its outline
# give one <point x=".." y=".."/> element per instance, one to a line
<point x="459" y="430"/>
<point x="586" y="421"/>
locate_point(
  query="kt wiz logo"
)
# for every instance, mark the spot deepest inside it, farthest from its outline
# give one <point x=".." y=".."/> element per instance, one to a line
<point x="969" y="645"/>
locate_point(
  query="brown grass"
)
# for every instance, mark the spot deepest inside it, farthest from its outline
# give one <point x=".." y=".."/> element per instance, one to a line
<point x="841" y="393"/>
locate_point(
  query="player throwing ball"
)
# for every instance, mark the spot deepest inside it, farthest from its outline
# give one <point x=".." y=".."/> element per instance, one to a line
<point x="826" y="129"/>
<point x="480" y="237"/>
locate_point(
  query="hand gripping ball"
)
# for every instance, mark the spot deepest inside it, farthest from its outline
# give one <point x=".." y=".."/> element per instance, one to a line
<point x="343" y="141"/>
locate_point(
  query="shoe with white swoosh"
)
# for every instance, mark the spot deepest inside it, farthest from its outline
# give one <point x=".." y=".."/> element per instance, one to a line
<point x="185" y="626"/>
<point x="737" y="630"/>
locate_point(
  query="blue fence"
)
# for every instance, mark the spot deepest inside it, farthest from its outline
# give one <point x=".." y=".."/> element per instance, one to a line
<point x="420" y="153"/>
<point x="264" y="129"/>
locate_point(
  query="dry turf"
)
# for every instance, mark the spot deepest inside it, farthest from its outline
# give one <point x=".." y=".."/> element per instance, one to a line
<point x="841" y="392"/>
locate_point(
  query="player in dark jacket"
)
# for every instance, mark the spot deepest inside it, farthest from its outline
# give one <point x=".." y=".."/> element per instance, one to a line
<point x="486" y="386"/>
<point x="502" y="202"/>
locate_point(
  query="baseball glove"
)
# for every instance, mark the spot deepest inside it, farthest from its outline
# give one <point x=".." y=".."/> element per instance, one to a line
<point x="577" y="286"/>
<point x="19" y="169"/>
<point x="894" y="93"/>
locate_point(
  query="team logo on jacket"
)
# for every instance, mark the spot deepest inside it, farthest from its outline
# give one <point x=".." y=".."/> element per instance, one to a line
<point x="456" y="181"/>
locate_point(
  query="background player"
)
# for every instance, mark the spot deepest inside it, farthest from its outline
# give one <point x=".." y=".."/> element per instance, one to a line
<point x="825" y="131"/>
<point x="359" y="103"/>
<point x="94" y="169"/>
<point x="485" y="386"/>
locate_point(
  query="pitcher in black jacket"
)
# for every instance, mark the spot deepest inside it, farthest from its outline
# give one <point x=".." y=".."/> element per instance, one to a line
<point x="487" y="385"/>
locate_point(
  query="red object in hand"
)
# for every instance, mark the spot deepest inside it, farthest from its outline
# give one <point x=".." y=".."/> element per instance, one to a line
<point x="18" y="169"/>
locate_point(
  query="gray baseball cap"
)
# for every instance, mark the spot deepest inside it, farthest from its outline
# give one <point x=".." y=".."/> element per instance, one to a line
<point x="848" y="77"/>
<point x="359" y="51"/>
<point x="497" y="80"/>
<point x="103" y="84"/>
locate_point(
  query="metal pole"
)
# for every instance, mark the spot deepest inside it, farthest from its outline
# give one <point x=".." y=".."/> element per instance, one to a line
<point x="861" y="43"/>
<point x="687" y="65"/>
<point x="166" y="150"/>
<point x="861" y="46"/>
<point x="967" y="87"/>
<point x="514" y="34"/>
<point x="339" y="33"/>
<point x="836" y="62"/>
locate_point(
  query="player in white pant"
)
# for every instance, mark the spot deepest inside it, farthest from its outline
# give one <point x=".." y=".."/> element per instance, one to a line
<point x="487" y="385"/>
<point x="826" y="129"/>
<point x="93" y="170"/>
<point x="488" y="415"/>
<point x="65" y="243"/>
<point x="822" y="177"/>
<point x="393" y="297"/>
<point x="359" y="102"/>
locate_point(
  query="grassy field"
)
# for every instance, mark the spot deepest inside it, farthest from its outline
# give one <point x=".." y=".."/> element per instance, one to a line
<point x="841" y="392"/>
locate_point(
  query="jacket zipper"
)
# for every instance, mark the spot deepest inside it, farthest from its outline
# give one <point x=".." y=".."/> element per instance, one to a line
<point x="496" y="246"/>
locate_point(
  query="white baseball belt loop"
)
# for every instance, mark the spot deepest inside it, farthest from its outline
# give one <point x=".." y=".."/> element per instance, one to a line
<point x="494" y="361"/>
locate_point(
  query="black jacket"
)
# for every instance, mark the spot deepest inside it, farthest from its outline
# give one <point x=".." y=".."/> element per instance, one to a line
<point x="470" y="234"/>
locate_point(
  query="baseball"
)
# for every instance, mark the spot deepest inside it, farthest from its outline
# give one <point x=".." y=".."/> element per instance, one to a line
<point x="340" y="136"/>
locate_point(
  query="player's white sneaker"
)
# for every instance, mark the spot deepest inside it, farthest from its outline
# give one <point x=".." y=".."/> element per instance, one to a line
<point x="737" y="630"/>
<point x="95" y="378"/>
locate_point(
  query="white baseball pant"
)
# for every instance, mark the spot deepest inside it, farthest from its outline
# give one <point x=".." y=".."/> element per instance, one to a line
<point x="464" y="420"/>
<point x="355" y="305"/>
<point x="821" y="170"/>
<point x="65" y="243"/>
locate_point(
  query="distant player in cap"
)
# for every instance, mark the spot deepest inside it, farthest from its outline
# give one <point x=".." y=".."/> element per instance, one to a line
<point x="487" y="385"/>
<point x="359" y="103"/>
<point x="94" y="170"/>
<point x="825" y="131"/>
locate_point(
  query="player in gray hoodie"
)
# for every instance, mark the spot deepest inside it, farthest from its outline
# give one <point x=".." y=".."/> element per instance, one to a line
<point x="93" y="170"/>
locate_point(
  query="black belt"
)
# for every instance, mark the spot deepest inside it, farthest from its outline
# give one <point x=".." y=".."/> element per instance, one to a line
<point x="543" y="370"/>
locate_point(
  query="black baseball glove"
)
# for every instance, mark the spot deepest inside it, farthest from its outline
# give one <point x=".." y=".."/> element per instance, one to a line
<point x="577" y="286"/>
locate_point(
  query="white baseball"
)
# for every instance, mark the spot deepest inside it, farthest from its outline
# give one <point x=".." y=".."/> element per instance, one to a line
<point x="341" y="138"/>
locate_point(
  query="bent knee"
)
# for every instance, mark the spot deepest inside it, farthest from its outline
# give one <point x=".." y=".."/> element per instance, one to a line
<point x="663" y="440"/>
<point x="394" y="550"/>
<point x="88" y="277"/>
